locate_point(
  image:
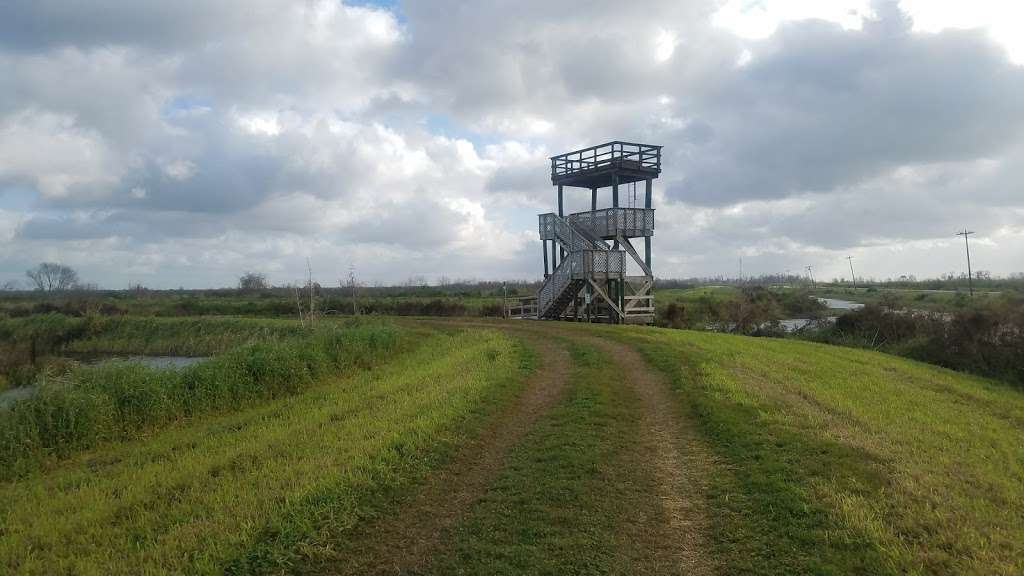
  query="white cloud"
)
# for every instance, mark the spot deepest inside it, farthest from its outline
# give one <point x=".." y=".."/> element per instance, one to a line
<point x="189" y="141"/>
<point x="1003" y="19"/>
<point x="56" y="155"/>
<point x="757" y="19"/>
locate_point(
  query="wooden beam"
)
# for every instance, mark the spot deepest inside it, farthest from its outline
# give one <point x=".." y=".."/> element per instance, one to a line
<point x="641" y="294"/>
<point x="600" y="291"/>
<point x="545" y="250"/>
<point x="632" y="252"/>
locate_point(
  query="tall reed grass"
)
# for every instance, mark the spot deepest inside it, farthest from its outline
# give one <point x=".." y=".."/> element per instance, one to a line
<point x="93" y="404"/>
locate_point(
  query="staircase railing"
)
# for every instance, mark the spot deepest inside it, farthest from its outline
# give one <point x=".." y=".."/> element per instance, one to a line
<point x="578" y="266"/>
<point x="555" y="284"/>
<point x="572" y="237"/>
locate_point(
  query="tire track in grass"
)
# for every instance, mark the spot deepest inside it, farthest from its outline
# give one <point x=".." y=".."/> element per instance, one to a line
<point x="676" y="542"/>
<point x="672" y="539"/>
<point x="664" y="528"/>
<point x="405" y="541"/>
<point x="601" y="486"/>
<point x="567" y="492"/>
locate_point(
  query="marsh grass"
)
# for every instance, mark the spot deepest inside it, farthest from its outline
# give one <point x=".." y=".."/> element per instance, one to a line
<point x="249" y="490"/>
<point x="92" y="404"/>
<point x="40" y="344"/>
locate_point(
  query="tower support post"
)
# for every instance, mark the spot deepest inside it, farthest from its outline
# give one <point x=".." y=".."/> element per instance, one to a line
<point x="545" y="250"/>
<point x="647" y="239"/>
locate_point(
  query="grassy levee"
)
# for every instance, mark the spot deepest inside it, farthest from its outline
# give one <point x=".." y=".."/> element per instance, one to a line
<point x="572" y="493"/>
<point x="842" y="461"/>
<point x="92" y="404"/>
<point x="251" y="490"/>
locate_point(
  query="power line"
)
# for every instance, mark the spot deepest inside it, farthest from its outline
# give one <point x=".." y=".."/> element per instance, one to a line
<point x="967" y="246"/>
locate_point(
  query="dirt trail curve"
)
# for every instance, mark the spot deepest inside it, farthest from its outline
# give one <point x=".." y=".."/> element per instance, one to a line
<point x="405" y="543"/>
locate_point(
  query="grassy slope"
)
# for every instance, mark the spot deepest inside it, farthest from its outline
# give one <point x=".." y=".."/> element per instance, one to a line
<point x="837" y="460"/>
<point x="242" y="491"/>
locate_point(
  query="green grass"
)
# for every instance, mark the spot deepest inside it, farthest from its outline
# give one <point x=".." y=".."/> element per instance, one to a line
<point x="837" y="461"/>
<point x="571" y="489"/>
<point x="929" y="300"/>
<point x="176" y="336"/>
<point x="249" y="491"/>
<point x="708" y="293"/>
<point x="275" y="303"/>
<point x="93" y="404"/>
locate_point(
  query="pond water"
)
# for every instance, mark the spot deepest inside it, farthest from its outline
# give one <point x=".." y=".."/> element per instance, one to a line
<point x="151" y="361"/>
<point x="8" y="396"/>
<point x="794" y="324"/>
<point x="836" y="304"/>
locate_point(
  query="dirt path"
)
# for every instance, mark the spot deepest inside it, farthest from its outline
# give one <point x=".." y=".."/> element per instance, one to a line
<point x="676" y="544"/>
<point x="670" y="447"/>
<point x="404" y="543"/>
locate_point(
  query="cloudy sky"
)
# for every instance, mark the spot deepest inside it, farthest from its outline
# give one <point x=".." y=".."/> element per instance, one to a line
<point x="180" y="143"/>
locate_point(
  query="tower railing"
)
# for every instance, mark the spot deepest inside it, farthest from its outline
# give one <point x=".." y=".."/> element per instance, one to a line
<point x="611" y="222"/>
<point x="612" y="154"/>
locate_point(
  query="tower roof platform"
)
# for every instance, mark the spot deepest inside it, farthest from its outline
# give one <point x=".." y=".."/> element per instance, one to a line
<point x="606" y="164"/>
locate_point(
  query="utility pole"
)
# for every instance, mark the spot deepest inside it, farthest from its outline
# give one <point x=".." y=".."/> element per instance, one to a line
<point x="741" y="269"/>
<point x="852" y="275"/>
<point x="504" y="300"/>
<point x="352" y="283"/>
<point x="810" y="274"/>
<point x="967" y="246"/>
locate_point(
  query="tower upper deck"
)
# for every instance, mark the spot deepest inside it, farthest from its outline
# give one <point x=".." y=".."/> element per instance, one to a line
<point x="606" y="164"/>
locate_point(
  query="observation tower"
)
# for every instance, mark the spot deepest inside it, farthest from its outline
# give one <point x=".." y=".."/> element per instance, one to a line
<point x="585" y="278"/>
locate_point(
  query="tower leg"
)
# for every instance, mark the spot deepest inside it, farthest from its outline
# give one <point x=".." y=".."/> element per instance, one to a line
<point x="545" y="251"/>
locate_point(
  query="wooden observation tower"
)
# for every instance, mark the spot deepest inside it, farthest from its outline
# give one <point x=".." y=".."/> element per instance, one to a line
<point x="585" y="278"/>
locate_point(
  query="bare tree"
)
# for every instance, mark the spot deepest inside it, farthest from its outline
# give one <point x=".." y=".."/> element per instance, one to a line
<point x="252" y="281"/>
<point x="52" y="277"/>
<point x="10" y="285"/>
